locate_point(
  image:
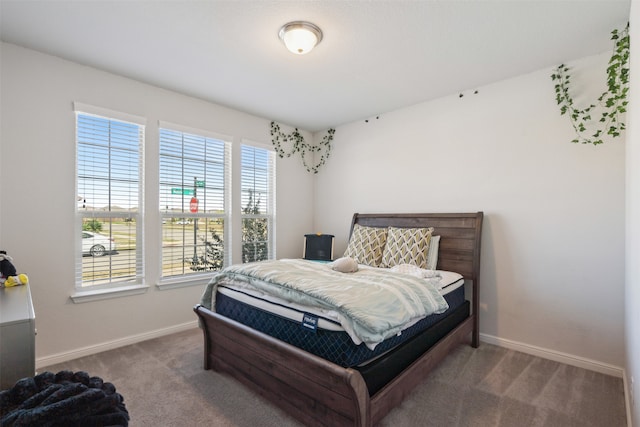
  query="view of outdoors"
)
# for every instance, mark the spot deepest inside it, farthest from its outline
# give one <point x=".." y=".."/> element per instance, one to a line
<point x="188" y="245"/>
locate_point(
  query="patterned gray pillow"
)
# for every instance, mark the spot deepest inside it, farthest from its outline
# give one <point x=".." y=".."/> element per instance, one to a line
<point x="366" y="245"/>
<point x="406" y="246"/>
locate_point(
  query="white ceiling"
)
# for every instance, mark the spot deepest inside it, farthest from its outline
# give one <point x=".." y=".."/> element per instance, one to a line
<point x="376" y="56"/>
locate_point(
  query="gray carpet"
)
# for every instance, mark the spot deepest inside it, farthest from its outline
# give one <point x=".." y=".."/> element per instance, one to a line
<point x="163" y="384"/>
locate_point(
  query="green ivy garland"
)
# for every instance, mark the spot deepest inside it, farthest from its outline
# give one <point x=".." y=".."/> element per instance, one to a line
<point x="613" y="101"/>
<point x="299" y="146"/>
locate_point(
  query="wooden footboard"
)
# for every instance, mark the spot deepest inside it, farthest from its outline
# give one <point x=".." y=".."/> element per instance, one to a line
<point x="309" y="388"/>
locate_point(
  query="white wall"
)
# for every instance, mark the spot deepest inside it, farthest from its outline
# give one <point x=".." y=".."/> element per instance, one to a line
<point x="632" y="297"/>
<point x="38" y="180"/>
<point x="552" y="271"/>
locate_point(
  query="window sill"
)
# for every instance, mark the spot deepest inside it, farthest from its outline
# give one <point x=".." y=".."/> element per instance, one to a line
<point x="102" y="294"/>
<point x="184" y="281"/>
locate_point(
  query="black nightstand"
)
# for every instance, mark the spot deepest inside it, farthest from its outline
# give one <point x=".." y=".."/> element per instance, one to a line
<point x="318" y="247"/>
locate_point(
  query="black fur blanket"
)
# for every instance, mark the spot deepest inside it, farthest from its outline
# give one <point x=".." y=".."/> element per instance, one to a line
<point x="62" y="399"/>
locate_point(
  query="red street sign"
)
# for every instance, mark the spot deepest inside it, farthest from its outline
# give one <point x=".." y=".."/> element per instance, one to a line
<point x="193" y="206"/>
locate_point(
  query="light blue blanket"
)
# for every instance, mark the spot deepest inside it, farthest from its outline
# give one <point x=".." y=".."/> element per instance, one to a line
<point x="372" y="304"/>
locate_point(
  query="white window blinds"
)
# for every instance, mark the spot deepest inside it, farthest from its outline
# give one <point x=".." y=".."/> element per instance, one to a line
<point x="194" y="190"/>
<point x="109" y="198"/>
<point x="258" y="203"/>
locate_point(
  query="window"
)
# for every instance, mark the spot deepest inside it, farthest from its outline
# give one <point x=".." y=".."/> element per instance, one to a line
<point x="258" y="203"/>
<point x="194" y="195"/>
<point x="109" y="201"/>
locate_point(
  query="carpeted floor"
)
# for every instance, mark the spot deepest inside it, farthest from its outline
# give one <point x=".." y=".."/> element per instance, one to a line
<point x="164" y="384"/>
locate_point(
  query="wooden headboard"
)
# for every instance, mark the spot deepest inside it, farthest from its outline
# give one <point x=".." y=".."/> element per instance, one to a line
<point x="459" y="242"/>
<point x="460" y="236"/>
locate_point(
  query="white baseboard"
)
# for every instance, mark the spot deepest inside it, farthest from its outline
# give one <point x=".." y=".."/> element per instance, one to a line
<point x="110" y="345"/>
<point x="556" y="356"/>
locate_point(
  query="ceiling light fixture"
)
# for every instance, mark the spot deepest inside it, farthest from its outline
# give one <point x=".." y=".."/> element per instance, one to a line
<point x="300" y="36"/>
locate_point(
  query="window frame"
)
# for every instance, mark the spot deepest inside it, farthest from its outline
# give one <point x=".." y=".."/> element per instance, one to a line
<point x="129" y="285"/>
<point x="270" y="214"/>
<point x="196" y="277"/>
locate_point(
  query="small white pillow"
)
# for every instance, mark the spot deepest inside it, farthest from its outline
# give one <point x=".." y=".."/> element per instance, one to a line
<point x="344" y="265"/>
<point x="432" y="253"/>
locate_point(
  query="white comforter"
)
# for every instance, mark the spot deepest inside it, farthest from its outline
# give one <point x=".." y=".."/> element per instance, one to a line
<point x="372" y="304"/>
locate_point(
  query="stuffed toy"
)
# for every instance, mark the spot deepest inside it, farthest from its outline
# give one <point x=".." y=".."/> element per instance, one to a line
<point x="8" y="274"/>
<point x="20" y="279"/>
<point x="6" y="266"/>
<point x="344" y="265"/>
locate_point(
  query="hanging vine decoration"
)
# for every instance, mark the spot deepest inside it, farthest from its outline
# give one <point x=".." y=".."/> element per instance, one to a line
<point x="613" y="102"/>
<point x="296" y="141"/>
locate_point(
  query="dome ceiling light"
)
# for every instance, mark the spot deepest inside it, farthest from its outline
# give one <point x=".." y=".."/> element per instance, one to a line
<point x="300" y="36"/>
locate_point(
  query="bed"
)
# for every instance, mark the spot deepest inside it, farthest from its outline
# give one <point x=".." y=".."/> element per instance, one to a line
<point x="318" y="391"/>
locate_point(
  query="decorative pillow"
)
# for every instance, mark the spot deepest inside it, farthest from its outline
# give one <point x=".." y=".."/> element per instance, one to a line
<point x="344" y="265"/>
<point x="432" y="253"/>
<point x="366" y="245"/>
<point x="406" y="246"/>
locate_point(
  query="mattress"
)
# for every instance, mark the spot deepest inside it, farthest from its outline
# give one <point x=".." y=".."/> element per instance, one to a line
<point x="318" y="332"/>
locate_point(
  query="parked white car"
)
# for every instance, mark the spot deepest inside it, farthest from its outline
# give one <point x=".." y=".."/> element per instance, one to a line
<point x="95" y="244"/>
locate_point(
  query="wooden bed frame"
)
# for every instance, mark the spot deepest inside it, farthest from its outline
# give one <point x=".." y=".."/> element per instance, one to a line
<point x="318" y="392"/>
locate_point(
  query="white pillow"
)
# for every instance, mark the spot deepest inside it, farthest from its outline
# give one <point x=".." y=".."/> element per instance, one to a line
<point x="432" y="253"/>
